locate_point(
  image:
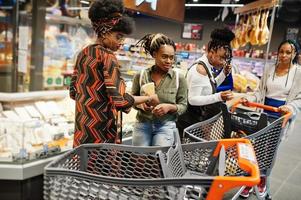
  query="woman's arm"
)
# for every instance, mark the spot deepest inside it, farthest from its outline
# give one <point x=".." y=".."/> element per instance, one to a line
<point x="74" y="77"/>
<point x="295" y="104"/>
<point x="181" y="100"/>
<point x="151" y="100"/>
<point x="225" y="73"/>
<point x="197" y="82"/>
<point x="72" y="87"/>
<point x="115" y="87"/>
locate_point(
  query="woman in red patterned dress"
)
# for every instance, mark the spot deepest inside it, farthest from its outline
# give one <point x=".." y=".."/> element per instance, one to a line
<point x="96" y="85"/>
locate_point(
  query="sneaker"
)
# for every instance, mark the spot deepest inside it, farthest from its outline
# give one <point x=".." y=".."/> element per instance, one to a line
<point x="246" y="192"/>
<point x="262" y="188"/>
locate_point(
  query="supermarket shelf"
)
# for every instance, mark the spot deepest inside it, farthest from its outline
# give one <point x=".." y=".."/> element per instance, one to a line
<point x="186" y="51"/>
<point x="67" y="20"/>
<point x="252" y="59"/>
<point x="25" y="96"/>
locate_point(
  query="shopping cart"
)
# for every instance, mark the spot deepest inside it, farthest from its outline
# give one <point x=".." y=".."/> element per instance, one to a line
<point x="264" y="132"/>
<point x="190" y="171"/>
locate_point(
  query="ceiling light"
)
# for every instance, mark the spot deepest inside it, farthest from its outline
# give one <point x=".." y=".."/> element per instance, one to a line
<point x="77" y="8"/>
<point x="212" y="5"/>
<point x="85" y="2"/>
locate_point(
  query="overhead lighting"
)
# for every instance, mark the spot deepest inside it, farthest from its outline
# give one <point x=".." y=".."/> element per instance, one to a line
<point x="77" y="8"/>
<point x="212" y="5"/>
<point x="85" y="2"/>
<point x="195" y="1"/>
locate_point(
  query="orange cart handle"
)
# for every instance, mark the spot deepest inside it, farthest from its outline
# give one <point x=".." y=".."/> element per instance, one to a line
<point x="223" y="184"/>
<point x="250" y="104"/>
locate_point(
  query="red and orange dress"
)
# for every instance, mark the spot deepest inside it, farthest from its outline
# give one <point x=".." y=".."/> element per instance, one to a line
<point x="99" y="93"/>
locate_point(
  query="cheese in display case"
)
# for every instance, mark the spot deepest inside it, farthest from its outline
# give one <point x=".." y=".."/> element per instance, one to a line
<point x="37" y="126"/>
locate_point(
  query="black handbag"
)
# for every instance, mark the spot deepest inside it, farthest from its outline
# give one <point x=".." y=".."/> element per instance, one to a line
<point x="196" y="114"/>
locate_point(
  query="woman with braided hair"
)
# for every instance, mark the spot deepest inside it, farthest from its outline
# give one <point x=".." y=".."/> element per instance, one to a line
<point x="96" y="85"/>
<point x="156" y="125"/>
<point x="280" y="87"/>
<point x="203" y="100"/>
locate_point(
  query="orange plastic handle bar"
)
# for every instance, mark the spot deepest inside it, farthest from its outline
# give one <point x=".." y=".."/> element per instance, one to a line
<point x="287" y="115"/>
<point x="223" y="184"/>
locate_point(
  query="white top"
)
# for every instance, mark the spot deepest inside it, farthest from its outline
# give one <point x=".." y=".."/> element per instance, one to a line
<point x="199" y="87"/>
<point x="278" y="88"/>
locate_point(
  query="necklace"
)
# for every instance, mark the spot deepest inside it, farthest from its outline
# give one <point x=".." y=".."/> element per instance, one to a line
<point x="285" y="72"/>
<point x="281" y="72"/>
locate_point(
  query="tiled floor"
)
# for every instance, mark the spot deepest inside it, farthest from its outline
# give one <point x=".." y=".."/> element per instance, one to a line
<point x="286" y="174"/>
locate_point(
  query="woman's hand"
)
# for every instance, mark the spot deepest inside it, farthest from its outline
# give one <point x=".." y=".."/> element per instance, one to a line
<point x="244" y="101"/>
<point x="146" y="107"/>
<point x="227" y="69"/>
<point x="153" y="100"/>
<point x="162" y="109"/>
<point x="226" y="95"/>
<point x="284" y="109"/>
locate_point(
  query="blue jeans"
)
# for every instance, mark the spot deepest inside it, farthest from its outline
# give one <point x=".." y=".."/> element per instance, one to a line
<point x="154" y="133"/>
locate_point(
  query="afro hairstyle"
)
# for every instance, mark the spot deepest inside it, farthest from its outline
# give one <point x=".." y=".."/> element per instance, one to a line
<point x="220" y="38"/>
<point x="103" y="9"/>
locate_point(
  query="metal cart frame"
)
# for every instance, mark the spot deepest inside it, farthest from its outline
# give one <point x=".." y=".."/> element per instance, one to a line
<point x="189" y="171"/>
<point x="265" y="139"/>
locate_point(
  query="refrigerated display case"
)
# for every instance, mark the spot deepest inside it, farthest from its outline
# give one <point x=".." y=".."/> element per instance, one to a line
<point x="64" y="38"/>
<point x="35" y="126"/>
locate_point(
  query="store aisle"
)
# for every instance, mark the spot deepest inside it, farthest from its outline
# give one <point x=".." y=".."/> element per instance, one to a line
<point x="286" y="175"/>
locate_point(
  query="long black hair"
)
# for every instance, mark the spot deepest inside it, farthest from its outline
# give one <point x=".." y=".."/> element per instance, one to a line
<point x="221" y="38"/>
<point x="152" y="42"/>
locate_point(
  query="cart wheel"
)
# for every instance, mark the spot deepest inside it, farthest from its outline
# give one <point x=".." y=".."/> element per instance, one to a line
<point x="268" y="197"/>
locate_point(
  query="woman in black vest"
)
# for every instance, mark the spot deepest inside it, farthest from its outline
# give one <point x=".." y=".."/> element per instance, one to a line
<point x="203" y="100"/>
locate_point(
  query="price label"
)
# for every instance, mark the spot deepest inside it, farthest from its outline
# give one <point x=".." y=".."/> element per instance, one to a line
<point x="246" y="152"/>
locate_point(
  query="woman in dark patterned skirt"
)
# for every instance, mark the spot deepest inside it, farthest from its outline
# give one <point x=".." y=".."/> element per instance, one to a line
<point x="96" y="86"/>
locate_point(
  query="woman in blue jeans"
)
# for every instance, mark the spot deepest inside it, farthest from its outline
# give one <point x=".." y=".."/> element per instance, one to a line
<point x="156" y="125"/>
<point x="280" y="87"/>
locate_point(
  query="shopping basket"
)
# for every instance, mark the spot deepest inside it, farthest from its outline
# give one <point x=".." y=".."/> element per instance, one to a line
<point x="190" y="171"/>
<point x="264" y="132"/>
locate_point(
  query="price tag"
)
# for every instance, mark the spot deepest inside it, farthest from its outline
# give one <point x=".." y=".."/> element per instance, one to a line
<point x="246" y="152"/>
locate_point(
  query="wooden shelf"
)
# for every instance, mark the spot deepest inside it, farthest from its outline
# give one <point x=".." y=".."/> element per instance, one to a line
<point x="255" y="6"/>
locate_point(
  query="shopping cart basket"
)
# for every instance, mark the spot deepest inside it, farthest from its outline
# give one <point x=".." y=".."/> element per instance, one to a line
<point x="109" y="171"/>
<point x="264" y="132"/>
